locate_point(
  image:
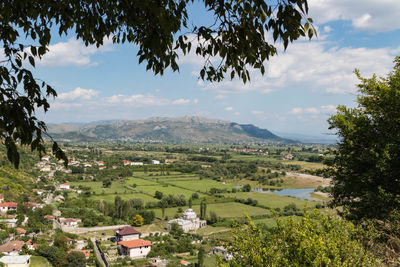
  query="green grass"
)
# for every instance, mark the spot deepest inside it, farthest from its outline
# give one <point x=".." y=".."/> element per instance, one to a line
<point x="111" y="197"/>
<point x="38" y="261"/>
<point x="272" y="200"/>
<point x="271" y="222"/>
<point x="223" y="210"/>
<point x="201" y="185"/>
<point x="166" y="190"/>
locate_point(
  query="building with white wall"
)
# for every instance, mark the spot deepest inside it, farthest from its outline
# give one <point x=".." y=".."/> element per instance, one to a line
<point x="188" y="222"/>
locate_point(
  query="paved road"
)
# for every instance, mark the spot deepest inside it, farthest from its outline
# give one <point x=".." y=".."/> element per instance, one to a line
<point x="80" y="230"/>
<point x="97" y="252"/>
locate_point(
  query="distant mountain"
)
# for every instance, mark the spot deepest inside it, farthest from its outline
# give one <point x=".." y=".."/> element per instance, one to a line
<point x="188" y="129"/>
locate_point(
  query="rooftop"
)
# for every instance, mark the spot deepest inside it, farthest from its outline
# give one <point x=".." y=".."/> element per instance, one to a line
<point x="12" y="246"/>
<point x="135" y="243"/>
<point x="127" y="230"/>
<point x="20" y="259"/>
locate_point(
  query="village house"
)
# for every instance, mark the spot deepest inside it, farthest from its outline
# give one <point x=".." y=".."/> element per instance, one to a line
<point x="136" y="163"/>
<point x="7" y="206"/>
<point x="45" y="169"/>
<point x="20" y="231"/>
<point x="223" y="252"/>
<point x="9" y="222"/>
<point x="31" y="245"/>
<point x="126" y="233"/>
<point x="65" y="186"/>
<point x="69" y="222"/>
<point x="46" y="158"/>
<point x="126" y="162"/>
<point x="16" y="261"/>
<point x="99" y="163"/>
<point x="49" y="217"/>
<point x="12" y="247"/>
<point x="288" y="157"/>
<point x="188" y="222"/>
<point x="155" y="162"/>
<point x="37" y="191"/>
<point x="135" y="249"/>
<point x="102" y="168"/>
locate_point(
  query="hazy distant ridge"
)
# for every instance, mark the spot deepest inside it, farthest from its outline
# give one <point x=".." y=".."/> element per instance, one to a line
<point x="188" y="129"/>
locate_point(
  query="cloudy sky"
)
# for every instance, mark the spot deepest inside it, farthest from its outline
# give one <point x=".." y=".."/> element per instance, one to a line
<point x="302" y="86"/>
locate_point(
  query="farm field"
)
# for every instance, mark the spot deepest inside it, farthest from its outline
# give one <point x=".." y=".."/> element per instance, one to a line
<point x="271" y="200"/>
<point x="200" y="185"/>
<point x="223" y="210"/>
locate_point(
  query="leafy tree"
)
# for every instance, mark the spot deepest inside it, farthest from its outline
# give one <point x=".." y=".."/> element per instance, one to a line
<point x="246" y="188"/>
<point x="176" y="231"/>
<point x="200" y="257"/>
<point x="315" y="240"/>
<point x="158" y="195"/>
<point x="213" y="217"/>
<point x="76" y="259"/>
<point x="137" y="220"/>
<point x="161" y="30"/>
<point x="190" y="202"/>
<point x="107" y="183"/>
<point x="365" y="167"/>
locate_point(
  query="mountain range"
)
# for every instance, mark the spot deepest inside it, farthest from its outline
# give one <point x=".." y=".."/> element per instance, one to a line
<point x="187" y="129"/>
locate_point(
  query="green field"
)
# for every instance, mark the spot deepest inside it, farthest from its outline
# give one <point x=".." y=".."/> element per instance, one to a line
<point x="272" y="200"/>
<point x="38" y="261"/>
<point x="200" y="185"/>
<point x="166" y="190"/>
<point x="223" y="210"/>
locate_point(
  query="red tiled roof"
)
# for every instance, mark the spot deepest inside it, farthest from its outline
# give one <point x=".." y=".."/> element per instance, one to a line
<point x="136" y="243"/>
<point x="127" y="230"/>
<point x="85" y="252"/>
<point x="12" y="246"/>
<point x="20" y="230"/>
<point x="9" y="204"/>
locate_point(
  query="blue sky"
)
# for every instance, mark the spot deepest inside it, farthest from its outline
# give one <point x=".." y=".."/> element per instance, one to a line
<point x="300" y="89"/>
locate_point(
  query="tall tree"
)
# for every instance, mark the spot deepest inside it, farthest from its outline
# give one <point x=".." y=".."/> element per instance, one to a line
<point x="366" y="166"/>
<point x="237" y="40"/>
<point x="200" y="257"/>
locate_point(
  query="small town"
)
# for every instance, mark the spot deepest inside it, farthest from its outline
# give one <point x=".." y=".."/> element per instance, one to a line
<point x="201" y="133"/>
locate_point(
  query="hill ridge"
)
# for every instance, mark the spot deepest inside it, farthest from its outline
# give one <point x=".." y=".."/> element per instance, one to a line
<point x="185" y="129"/>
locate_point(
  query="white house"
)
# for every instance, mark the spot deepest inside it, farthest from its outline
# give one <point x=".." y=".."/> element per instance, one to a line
<point x="9" y="222"/>
<point x="221" y="251"/>
<point x="188" y="222"/>
<point x="6" y="206"/>
<point x="65" y="186"/>
<point x="155" y="162"/>
<point x="135" y="249"/>
<point x="136" y="163"/>
<point x="69" y="222"/>
<point x="16" y="261"/>
<point x="46" y="158"/>
<point x="126" y="233"/>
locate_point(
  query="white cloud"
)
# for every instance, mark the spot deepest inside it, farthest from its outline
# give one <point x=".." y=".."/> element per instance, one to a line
<point x="138" y="100"/>
<point x="229" y="108"/>
<point x="328" y="109"/>
<point x="72" y="53"/>
<point x="370" y="15"/>
<point x="236" y="113"/>
<point x="78" y="93"/>
<point x="181" y="101"/>
<point x="257" y="112"/>
<point x="315" y="66"/>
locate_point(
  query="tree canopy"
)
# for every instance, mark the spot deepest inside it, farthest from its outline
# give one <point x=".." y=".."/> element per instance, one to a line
<point x="238" y="39"/>
<point x="366" y="169"/>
